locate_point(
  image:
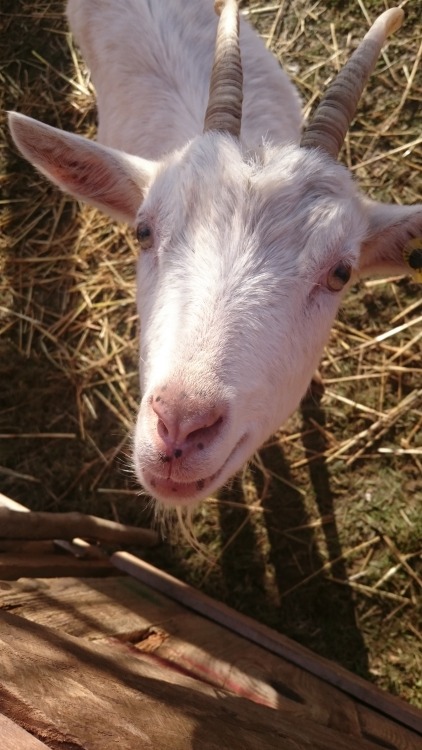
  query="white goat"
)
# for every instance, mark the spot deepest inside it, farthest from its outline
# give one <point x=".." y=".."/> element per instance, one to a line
<point x="249" y="234"/>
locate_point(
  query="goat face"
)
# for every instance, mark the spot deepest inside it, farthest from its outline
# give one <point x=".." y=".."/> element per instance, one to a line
<point x="244" y="257"/>
<point x="247" y="258"/>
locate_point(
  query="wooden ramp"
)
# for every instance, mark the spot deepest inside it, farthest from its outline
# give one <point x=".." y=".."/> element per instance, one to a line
<point x="105" y="662"/>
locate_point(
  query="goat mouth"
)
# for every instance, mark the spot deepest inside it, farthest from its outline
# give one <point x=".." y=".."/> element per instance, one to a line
<point x="171" y="492"/>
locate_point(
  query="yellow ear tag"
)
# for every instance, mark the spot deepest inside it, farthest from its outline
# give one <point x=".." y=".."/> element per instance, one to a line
<point x="412" y="254"/>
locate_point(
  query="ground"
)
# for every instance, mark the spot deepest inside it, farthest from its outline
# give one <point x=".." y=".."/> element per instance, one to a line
<point x="320" y="536"/>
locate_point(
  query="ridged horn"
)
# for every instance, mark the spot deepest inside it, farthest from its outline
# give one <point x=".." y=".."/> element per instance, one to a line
<point x="224" y="110"/>
<point x="330" y="123"/>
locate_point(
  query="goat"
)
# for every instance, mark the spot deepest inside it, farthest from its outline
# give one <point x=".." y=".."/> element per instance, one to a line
<point x="250" y="231"/>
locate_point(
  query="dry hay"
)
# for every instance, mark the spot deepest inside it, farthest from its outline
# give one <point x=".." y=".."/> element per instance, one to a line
<point x="320" y="536"/>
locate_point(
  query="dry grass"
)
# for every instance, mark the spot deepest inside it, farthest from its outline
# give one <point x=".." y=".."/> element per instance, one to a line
<point x="321" y="535"/>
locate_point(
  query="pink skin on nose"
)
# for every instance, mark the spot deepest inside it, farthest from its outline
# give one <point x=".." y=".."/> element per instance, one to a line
<point x="185" y="425"/>
<point x="186" y="442"/>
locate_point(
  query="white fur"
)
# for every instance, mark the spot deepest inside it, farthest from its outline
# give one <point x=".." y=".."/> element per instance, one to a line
<point x="233" y="295"/>
<point x="151" y="63"/>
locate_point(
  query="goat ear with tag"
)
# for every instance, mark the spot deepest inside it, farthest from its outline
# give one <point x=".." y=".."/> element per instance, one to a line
<point x="111" y="180"/>
<point x="412" y="255"/>
<point x="394" y="241"/>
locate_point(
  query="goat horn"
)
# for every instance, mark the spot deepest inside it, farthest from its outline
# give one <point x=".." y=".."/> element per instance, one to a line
<point x="337" y="108"/>
<point x="224" y="110"/>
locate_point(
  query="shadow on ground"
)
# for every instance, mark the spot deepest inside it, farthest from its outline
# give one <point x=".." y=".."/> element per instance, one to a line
<point x="307" y="606"/>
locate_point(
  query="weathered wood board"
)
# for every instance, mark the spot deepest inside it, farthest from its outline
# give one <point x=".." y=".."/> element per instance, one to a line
<point x="90" y="695"/>
<point x="275" y="643"/>
<point x="110" y="662"/>
<point x="141" y="630"/>
<point x="43" y="565"/>
<point x="13" y="737"/>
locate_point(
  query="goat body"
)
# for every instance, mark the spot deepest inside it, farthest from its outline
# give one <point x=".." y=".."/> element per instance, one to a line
<point x="151" y="61"/>
<point x="247" y="244"/>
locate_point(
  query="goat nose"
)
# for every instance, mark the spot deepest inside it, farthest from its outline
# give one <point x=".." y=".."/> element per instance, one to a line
<point x="181" y="424"/>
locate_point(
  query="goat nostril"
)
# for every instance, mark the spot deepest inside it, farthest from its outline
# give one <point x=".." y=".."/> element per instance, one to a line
<point x="205" y="432"/>
<point x="162" y="428"/>
<point x="181" y="427"/>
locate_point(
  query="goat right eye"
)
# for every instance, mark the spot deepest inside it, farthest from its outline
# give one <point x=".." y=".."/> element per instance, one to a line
<point x="338" y="276"/>
<point x="144" y="235"/>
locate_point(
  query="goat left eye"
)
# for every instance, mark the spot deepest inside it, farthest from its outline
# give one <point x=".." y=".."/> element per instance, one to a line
<point x="144" y="235"/>
<point x="338" y="276"/>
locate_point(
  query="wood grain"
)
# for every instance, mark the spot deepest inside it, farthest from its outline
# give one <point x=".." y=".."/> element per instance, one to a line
<point x="102" y="699"/>
<point x="13" y="737"/>
<point x="37" y="525"/>
<point x="274" y="642"/>
<point x="14" y="566"/>
<point x="135" y="618"/>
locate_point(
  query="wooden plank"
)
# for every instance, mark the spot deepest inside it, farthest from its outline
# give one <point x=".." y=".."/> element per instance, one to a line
<point x="230" y="662"/>
<point x="40" y="525"/>
<point x="388" y="735"/>
<point x="297" y="691"/>
<point x="13" y="737"/>
<point x="14" y="566"/>
<point x="274" y="642"/>
<point x="88" y="608"/>
<point x="146" y="621"/>
<point x="29" y="548"/>
<point x="102" y="700"/>
<point x="78" y="547"/>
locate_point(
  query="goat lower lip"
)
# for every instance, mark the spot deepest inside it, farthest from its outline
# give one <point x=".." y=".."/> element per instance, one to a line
<point x="175" y="492"/>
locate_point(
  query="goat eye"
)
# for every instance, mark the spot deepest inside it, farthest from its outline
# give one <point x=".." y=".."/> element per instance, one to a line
<point x="338" y="276"/>
<point x="144" y="235"/>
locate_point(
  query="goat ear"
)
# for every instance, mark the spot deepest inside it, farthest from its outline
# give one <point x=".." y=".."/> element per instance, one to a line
<point x="394" y="240"/>
<point x="111" y="180"/>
